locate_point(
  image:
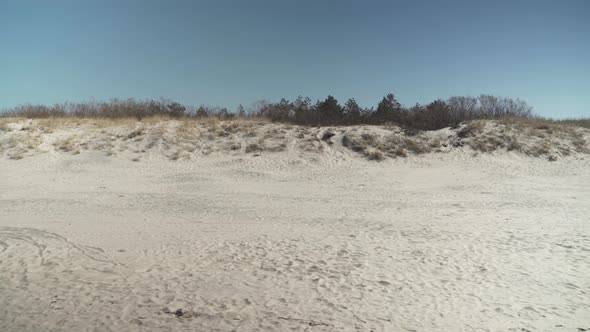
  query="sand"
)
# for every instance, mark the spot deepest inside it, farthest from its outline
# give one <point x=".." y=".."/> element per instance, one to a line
<point x="280" y="242"/>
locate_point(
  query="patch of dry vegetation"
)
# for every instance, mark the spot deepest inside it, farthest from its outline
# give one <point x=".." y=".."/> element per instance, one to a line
<point x="580" y="122"/>
<point x="253" y="147"/>
<point x="534" y="137"/>
<point x="377" y="147"/>
<point x="20" y="144"/>
<point x="135" y="133"/>
<point x="471" y="129"/>
<point x="4" y="124"/>
<point x="70" y="144"/>
<point x="309" y="142"/>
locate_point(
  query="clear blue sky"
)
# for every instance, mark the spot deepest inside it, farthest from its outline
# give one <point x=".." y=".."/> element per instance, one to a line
<point x="230" y="52"/>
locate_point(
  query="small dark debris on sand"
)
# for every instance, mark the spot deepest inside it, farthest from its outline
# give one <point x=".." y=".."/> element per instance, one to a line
<point x="180" y="313"/>
<point x="306" y="322"/>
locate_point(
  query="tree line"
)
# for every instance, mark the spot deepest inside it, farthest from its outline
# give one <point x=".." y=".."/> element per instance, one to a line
<point x="435" y="115"/>
<point x="328" y="112"/>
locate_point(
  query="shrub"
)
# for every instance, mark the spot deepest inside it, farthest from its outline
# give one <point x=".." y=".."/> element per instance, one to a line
<point x="253" y="147"/>
<point x="471" y="129"/>
<point x="353" y="144"/>
<point x="375" y="155"/>
<point x="415" y="146"/>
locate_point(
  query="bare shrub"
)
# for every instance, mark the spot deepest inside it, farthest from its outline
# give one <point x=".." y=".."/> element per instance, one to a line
<point x="538" y="149"/>
<point x="231" y="127"/>
<point x="543" y="126"/>
<point x="375" y="155"/>
<point x="16" y="154"/>
<point x="489" y="142"/>
<point x="312" y="145"/>
<point x="513" y="144"/>
<point x="415" y="146"/>
<point x="581" y="122"/>
<point x="253" y="147"/>
<point x="353" y="144"/>
<point x="580" y="144"/>
<point x="137" y="132"/>
<point x="276" y="148"/>
<point x="115" y="108"/>
<point x="235" y="146"/>
<point x="69" y="144"/>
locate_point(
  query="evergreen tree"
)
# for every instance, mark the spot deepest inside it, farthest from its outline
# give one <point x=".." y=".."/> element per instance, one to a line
<point x="389" y="110"/>
<point x="329" y="111"/>
<point x="352" y="112"/>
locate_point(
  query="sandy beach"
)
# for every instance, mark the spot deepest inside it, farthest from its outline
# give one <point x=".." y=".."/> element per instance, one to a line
<point x="280" y="241"/>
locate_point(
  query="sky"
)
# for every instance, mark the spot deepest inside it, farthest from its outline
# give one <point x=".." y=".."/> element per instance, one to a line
<point x="230" y="52"/>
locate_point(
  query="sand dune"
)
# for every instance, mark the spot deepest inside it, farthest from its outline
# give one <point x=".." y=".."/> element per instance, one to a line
<point x="301" y="234"/>
<point x="190" y="139"/>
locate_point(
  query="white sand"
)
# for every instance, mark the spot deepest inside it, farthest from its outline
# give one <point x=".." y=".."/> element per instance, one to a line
<point x="442" y="242"/>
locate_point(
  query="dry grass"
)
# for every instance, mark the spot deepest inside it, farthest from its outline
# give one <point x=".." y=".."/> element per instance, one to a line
<point x="375" y="155"/>
<point x="32" y="141"/>
<point x="4" y="124"/>
<point x="311" y="144"/>
<point x="580" y="143"/>
<point x="472" y="128"/>
<point x="135" y="133"/>
<point x="52" y="124"/>
<point x="538" y="149"/>
<point x="581" y="122"/>
<point x="19" y="144"/>
<point x="534" y="137"/>
<point x="186" y="129"/>
<point x="70" y="144"/>
<point x="234" y="146"/>
<point x="376" y="148"/>
<point x="547" y="125"/>
<point x="488" y="143"/>
<point x="353" y="143"/>
<point x="253" y="147"/>
<point x="514" y="144"/>
<point x="530" y="137"/>
<point x="279" y="147"/>
<point x="16" y="154"/>
<point x="415" y="146"/>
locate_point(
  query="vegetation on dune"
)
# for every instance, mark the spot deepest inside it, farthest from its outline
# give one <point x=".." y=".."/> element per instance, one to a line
<point x="301" y="111"/>
<point x="435" y="115"/>
<point x="485" y="124"/>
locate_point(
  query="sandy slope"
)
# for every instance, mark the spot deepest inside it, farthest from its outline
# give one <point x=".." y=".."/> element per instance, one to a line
<point x="276" y="242"/>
